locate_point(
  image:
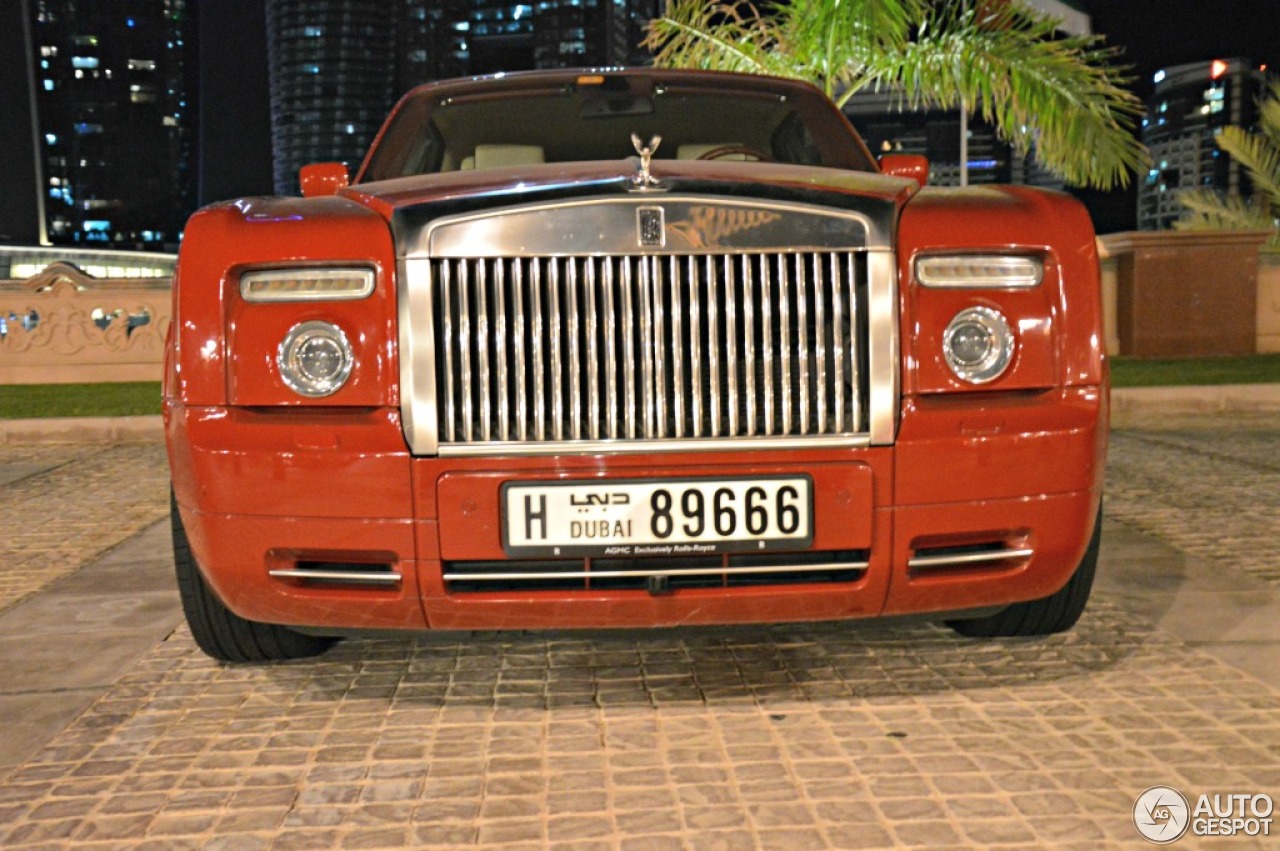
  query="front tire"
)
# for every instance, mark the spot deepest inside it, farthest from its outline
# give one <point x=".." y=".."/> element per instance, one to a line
<point x="220" y="632"/>
<point x="1055" y="613"/>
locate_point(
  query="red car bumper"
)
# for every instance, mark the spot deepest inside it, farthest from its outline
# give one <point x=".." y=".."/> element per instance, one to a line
<point x="972" y="508"/>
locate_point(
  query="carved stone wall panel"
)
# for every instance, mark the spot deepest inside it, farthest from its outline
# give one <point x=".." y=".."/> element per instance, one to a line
<point x="64" y="326"/>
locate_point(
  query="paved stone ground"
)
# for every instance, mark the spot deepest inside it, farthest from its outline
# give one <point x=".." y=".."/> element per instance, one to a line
<point x="796" y="737"/>
<point x="1209" y="485"/>
<point x="61" y="505"/>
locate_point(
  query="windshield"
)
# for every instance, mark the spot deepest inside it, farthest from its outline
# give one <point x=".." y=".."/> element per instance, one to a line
<point x="457" y="130"/>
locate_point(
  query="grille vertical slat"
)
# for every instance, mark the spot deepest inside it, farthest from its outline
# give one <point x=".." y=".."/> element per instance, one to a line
<point x="695" y="344"/>
<point x="649" y="394"/>
<point x="766" y="329"/>
<point x="557" y="364"/>
<point x="837" y="304"/>
<point x="802" y="332"/>
<point x="593" y="351"/>
<point x="748" y="343"/>
<point x="450" y="411"/>
<point x="464" y="347"/>
<point x="711" y="346"/>
<point x="677" y="344"/>
<point x="731" y="342"/>
<point x="784" y="329"/>
<point x="713" y="341"/>
<point x="629" y="350"/>
<point x="610" y="344"/>
<point x="854" y="323"/>
<point x="539" y="373"/>
<point x="660" y="346"/>
<point x="482" y="350"/>
<point x="522" y="392"/>
<point x="575" y="360"/>
<point x="501" y="348"/>
<point x="820" y="342"/>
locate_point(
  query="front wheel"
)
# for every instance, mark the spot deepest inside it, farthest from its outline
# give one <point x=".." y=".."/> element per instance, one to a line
<point x="220" y="632"/>
<point x="1055" y="613"/>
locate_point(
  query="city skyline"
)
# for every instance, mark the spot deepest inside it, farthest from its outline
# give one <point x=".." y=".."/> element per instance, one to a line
<point x="223" y="147"/>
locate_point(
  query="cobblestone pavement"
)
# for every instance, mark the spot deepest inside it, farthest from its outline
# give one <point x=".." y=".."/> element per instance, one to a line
<point x="789" y="737"/>
<point x="62" y="505"/>
<point x="1209" y="485"/>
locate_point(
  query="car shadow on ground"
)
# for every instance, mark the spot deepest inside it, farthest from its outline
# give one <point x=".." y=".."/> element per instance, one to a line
<point x="767" y="666"/>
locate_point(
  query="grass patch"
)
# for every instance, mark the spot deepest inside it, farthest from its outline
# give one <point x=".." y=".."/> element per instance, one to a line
<point x="1172" y="372"/>
<point x="126" y="399"/>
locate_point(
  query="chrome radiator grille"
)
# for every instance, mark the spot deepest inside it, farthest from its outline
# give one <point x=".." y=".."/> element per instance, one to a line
<point x="636" y="348"/>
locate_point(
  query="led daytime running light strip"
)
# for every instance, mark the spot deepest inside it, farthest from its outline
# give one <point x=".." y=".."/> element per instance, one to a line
<point x="971" y="271"/>
<point x="306" y="284"/>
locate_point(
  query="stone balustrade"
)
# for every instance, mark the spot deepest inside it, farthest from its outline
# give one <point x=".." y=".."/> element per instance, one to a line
<point x="63" y="326"/>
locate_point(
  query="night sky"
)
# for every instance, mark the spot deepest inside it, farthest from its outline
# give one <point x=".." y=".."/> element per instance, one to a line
<point x="1150" y="33"/>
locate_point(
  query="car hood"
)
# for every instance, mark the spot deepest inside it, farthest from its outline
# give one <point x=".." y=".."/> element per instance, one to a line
<point x="411" y="203"/>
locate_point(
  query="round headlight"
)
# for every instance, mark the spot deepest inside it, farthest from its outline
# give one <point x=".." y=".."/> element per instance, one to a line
<point x="978" y="345"/>
<point x="315" y="358"/>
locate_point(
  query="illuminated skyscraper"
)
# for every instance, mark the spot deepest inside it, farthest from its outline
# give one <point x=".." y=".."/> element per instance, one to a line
<point x="332" y="66"/>
<point x="108" y="92"/>
<point x="337" y="66"/>
<point x="597" y="33"/>
<point x="1189" y="107"/>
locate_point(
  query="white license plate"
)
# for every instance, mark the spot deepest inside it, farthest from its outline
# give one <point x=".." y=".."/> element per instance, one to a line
<point x="656" y="517"/>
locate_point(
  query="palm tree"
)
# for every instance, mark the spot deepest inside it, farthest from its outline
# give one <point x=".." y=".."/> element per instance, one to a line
<point x="1259" y="153"/>
<point x="1061" y="95"/>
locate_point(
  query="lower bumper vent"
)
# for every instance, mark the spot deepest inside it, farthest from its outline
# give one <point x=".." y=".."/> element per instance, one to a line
<point x="985" y="555"/>
<point x="339" y="573"/>
<point x="657" y="575"/>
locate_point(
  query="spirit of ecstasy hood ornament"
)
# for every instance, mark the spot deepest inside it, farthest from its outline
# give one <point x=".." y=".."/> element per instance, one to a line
<point x="643" y="179"/>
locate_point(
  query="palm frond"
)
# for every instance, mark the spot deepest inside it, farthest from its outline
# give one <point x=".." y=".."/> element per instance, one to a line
<point x="1259" y="153"/>
<point x="842" y="42"/>
<point x="1269" y="113"/>
<point x="1213" y="210"/>
<point x="1209" y="210"/>
<point x="1260" y="157"/>
<point x="1061" y="93"/>
<point x="731" y="36"/>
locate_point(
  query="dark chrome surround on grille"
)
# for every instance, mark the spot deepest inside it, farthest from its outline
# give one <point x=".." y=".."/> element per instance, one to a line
<point x="506" y="347"/>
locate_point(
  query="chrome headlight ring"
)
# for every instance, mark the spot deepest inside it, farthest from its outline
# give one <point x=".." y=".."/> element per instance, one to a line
<point x="978" y="345"/>
<point x="315" y="359"/>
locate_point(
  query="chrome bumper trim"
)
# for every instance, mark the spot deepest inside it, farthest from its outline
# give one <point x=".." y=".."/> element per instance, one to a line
<point x="347" y="576"/>
<point x="855" y="566"/>
<point x="966" y="559"/>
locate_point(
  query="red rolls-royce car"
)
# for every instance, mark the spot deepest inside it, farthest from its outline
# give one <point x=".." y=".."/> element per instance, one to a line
<point x="631" y="348"/>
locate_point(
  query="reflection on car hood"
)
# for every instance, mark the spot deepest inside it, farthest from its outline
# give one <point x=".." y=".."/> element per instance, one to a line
<point x="413" y="201"/>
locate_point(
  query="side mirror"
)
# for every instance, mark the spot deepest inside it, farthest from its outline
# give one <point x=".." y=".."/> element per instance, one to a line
<point x="913" y="166"/>
<point x="320" y="179"/>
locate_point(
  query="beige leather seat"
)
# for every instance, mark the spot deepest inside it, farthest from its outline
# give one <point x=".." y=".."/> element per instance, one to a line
<point x="496" y="156"/>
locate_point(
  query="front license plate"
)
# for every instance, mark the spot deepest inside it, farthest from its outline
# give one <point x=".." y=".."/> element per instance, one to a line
<point x="656" y="517"/>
